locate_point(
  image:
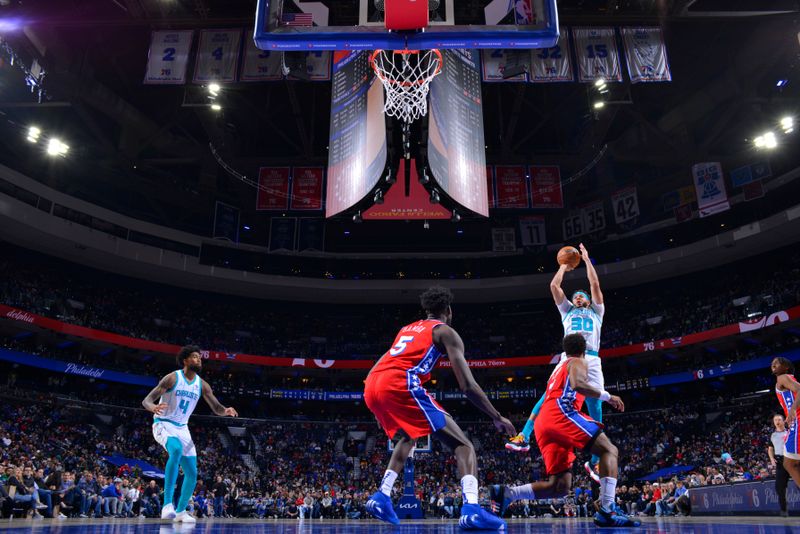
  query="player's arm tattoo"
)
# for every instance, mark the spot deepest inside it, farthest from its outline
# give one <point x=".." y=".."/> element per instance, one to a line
<point x="211" y="400"/>
<point x="151" y="400"/>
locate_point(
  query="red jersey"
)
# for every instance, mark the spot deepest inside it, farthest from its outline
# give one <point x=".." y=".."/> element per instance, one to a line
<point x="787" y="398"/>
<point x="413" y="354"/>
<point x="559" y="393"/>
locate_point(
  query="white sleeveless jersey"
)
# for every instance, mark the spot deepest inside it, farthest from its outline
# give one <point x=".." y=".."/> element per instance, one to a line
<point x="181" y="400"/>
<point x="584" y="321"/>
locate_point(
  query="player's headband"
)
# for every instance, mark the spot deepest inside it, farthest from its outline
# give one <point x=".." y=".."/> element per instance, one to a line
<point x="585" y="295"/>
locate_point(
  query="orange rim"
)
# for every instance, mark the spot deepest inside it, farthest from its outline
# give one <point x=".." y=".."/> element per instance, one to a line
<point x="404" y="52"/>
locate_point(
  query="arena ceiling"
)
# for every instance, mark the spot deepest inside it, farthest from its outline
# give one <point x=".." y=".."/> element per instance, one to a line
<point x="145" y="150"/>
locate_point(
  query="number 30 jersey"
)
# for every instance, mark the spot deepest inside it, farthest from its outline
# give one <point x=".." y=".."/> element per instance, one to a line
<point x="181" y="400"/>
<point x="584" y="321"/>
<point x="412" y="356"/>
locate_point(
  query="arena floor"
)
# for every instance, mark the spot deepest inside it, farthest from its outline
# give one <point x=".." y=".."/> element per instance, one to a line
<point x="701" y="525"/>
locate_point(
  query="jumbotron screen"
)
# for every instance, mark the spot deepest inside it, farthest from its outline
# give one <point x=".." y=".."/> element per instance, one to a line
<point x="357" y="156"/>
<point x="456" y="149"/>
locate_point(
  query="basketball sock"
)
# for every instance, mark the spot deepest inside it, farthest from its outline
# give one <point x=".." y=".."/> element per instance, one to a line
<point x="595" y="407"/>
<point x="387" y="483"/>
<point x="516" y="493"/>
<point x="469" y="487"/>
<point x="175" y="450"/>
<point x="527" y="430"/>
<point x="608" y="492"/>
<point x="189" y="466"/>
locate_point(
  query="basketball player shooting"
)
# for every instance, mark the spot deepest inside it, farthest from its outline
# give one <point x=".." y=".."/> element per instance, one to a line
<point x="787" y="388"/>
<point x="560" y="429"/>
<point x="172" y="402"/>
<point x="582" y="315"/>
<point x="406" y="412"/>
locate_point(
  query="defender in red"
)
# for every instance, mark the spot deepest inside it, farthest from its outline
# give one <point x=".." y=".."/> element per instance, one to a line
<point x="395" y="394"/>
<point x="560" y="429"/>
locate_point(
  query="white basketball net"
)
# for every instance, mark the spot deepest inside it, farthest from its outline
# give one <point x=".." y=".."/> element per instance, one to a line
<point x="406" y="75"/>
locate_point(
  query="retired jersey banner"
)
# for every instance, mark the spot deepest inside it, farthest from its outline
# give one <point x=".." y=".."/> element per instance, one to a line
<point x="533" y="231"/>
<point x="625" y="204"/>
<point x="260" y="65"/>
<point x="552" y="64"/>
<point x="646" y="54"/>
<point x="318" y="66"/>
<point x="494" y="63"/>
<point x="598" y="58"/>
<point x="168" y="57"/>
<point x="273" y="188"/>
<point x="217" y="56"/>
<point x="307" y="188"/>
<point x="546" y="187"/>
<point x="709" y="184"/>
<point x="512" y="186"/>
<point x="490" y="186"/>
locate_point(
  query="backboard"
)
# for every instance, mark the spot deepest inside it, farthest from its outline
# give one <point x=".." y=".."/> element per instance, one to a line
<point x="359" y="25"/>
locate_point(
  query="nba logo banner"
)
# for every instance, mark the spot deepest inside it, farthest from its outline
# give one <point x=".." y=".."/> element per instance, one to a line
<point x="709" y="184"/>
<point x="646" y="54"/>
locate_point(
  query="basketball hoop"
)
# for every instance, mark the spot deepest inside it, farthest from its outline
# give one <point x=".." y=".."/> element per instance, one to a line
<point x="406" y="75"/>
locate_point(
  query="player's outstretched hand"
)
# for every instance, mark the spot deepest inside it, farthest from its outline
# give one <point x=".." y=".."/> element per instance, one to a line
<point x="584" y="253"/>
<point x="616" y="403"/>
<point x="158" y="409"/>
<point x="231" y="412"/>
<point x="504" y="425"/>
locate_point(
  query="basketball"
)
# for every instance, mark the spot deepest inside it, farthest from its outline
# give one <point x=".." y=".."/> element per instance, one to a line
<point x="569" y="256"/>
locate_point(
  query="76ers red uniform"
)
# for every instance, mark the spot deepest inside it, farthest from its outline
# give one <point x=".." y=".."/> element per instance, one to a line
<point x="561" y="427"/>
<point x="394" y="391"/>
<point x="787" y="399"/>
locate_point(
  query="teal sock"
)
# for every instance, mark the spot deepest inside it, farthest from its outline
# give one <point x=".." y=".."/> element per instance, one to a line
<point x="175" y="450"/>
<point x="189" y="466"/>
<point x="528" y="430"/>
<point x="595" y="407"/>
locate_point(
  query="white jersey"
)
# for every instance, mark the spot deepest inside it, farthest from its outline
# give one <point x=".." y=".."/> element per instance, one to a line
<point x="584" y="321"/>
<point x="181" y="400"/>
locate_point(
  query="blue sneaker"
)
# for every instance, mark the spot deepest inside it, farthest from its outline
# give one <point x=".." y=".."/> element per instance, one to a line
<point x="498" y="499"/>
<point x="380" y="507"/>
<point x="473" y="517"/>
<point x="614" y="518"/>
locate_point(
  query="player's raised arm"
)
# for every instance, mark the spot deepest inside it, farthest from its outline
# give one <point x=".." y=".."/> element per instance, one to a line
<point x="149" y="402"/>
<point x="214" y="404"/>
<point x="555" y="285"/>
<point x="787" y="383"/>
<point x="591" y="273"/>
<point x="450" y="342"/>
<point x="579" y="380"/>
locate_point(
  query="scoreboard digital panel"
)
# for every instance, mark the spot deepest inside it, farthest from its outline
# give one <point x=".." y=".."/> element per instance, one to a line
<point x="456" y="148"/>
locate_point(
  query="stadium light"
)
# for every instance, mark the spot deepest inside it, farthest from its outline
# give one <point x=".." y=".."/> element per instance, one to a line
<point x="770" y="141"/>
<point x="599" y="104"/>
<point x="56" y="148"/>
<point x="216" y="107"/>
<point x="33" y="134"/>
<point x="787" y="123"/>
<point x="214" y="89"/>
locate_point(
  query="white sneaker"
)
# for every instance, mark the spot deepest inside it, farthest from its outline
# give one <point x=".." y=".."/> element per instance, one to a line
<point x="184" y="517"/>
<point x="61" y="516"/>
<point x="168" y="512"/>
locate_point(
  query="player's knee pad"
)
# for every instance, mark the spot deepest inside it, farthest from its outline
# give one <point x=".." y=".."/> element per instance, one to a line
<point x="174" y="447"/>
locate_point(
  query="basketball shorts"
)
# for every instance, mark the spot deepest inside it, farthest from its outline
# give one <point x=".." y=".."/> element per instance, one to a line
<point x="558" y="434"/>
<point x="397" y="408"/>
<point x="163" y="430"/>
<point x="596" y="379"/>
<point x="792" y="442"/>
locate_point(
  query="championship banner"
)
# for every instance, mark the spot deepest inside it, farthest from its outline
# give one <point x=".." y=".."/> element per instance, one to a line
<point x="550" y="65"/>
<point x="168" y="57"/>
<point x="533" y="231"/>
<point x="598" y="58"/>
<point x="226" y="222"/>
<point x="490" y="186"/>
<point x="217" y="56"/>
<point x="306" y="188"/>
<point x="709" y="185"/>
<point x="546" y="186"/>
<point x="260" y="65"/>
<point x="646" y="54"/>
<point x="273" y="188"/>
<point x="512" y="186"/>
<point x="625" y="204"/>
<point x="504" y="240"/>
<point x="494" y="63"/>
<point x="15" y="314"/>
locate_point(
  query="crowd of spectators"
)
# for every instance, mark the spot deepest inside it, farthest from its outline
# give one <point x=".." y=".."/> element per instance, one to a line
<point x="133" y="308"/>
<point x="52" y="455"/>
